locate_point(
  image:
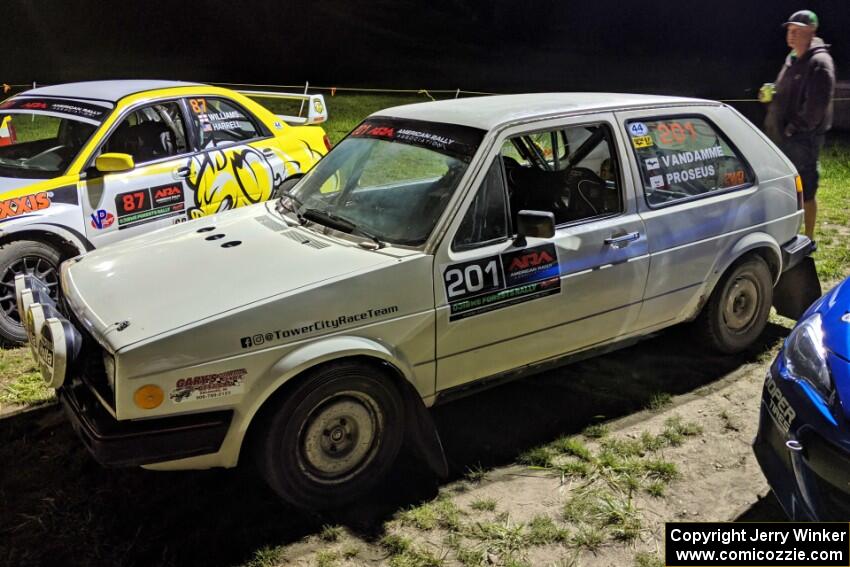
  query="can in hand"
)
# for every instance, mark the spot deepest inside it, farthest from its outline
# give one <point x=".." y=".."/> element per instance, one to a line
<point x="766" y="92"/>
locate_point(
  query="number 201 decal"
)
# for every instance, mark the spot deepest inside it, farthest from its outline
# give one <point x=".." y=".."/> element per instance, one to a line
<point x="494" y="282"/>
<point x="473" y="277"/>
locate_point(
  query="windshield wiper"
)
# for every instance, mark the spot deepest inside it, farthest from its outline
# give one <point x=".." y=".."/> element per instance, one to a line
<point x="339" y="223"/>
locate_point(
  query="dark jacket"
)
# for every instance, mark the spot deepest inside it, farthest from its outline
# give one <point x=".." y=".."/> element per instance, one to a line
<point x="802" y="102"/>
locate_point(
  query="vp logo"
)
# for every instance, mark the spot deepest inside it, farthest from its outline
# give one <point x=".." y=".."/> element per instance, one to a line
<point x="102" y="219"/>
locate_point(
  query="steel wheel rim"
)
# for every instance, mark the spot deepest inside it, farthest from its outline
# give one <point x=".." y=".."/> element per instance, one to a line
<point x="742" y="304"/>
<point x="340" y="437"/>
<point x="36" y="266"/>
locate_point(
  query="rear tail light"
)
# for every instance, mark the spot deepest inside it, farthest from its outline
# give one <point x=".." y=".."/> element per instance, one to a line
<point x="799" y="182"/>
<point x="328" y="144"/>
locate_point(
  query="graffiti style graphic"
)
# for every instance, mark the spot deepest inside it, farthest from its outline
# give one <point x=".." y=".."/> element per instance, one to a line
<point x="226" y="179"/>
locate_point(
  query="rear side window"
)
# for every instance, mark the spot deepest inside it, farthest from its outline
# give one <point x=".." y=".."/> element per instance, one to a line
<point x="219" y="122"/>
<point x="683" y="157"/>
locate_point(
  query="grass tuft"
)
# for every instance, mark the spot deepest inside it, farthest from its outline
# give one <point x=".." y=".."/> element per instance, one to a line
<point x="484" y="505"/>
<point x="330" y="533"/>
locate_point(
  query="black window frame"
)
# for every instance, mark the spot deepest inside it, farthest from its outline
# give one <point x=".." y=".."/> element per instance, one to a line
<point x="455" y="247"/>
<point x="719" y="131"/>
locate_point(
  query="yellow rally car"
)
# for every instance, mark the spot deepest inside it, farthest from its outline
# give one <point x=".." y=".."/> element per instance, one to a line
<point x="83" y="165"/>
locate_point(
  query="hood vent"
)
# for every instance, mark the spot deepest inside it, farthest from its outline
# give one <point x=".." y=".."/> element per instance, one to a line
<point x="271" y="223"/>
<point x="301" y="238"/>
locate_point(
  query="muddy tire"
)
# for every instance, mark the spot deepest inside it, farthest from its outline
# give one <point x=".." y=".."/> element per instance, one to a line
<point x="737" y="311"/>
<point x="23" y="257"/>
<point x="332" y="437"/>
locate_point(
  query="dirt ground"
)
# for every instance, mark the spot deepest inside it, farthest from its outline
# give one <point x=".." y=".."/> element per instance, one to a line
<point x="58" y="507"/>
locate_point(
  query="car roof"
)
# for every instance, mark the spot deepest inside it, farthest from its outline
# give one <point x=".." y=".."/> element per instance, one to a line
<point x="486" y="112"/>
<point x="109" y="91"/>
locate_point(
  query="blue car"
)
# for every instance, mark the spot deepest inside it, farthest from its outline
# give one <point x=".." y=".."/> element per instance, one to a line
<point x="803" y="441"/>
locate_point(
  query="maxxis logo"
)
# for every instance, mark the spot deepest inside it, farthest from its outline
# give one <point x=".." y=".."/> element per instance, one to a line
<point x="18" y="206"/>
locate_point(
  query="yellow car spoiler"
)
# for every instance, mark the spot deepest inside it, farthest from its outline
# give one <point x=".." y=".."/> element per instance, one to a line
<point x="317" y="112"/>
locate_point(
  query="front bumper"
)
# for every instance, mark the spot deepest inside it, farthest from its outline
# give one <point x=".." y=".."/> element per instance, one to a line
<point x="806" y="466"/>
<point x="141" y="442"/>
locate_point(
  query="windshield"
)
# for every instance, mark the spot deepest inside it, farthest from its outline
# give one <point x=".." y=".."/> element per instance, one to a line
<point x="390" y="179"/>
<point x="39" y="138"/>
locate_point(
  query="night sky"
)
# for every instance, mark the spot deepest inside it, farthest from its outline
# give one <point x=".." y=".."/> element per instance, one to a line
<point x="715" y="49"/>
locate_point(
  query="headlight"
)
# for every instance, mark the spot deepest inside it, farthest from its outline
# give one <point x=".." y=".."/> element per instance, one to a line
<point x="109" y="366"/>
<point x="805" y="356"/>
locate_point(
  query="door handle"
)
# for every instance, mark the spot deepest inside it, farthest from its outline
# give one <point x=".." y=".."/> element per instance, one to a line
<point x="622" y="239"/>
<point x="182" y="171"/>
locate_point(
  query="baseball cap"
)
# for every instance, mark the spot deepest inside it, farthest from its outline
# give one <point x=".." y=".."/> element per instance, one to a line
<point x="802" y="18"/>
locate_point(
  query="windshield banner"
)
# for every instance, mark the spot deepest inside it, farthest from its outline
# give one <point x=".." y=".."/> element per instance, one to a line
<point x="459" y="141"/>
<point x="57" y="105"/>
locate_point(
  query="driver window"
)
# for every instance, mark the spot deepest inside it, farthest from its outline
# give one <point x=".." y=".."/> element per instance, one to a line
<point x="150" y="133"/>
<point x="578" y="179"/>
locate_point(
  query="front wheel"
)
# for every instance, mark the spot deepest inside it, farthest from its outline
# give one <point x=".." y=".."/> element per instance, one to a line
<point x="24" y="257"/>
<point x="737" y="311"/>
<point x="333" y="437"/>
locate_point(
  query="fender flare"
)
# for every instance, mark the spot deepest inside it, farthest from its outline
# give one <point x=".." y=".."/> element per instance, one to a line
<point x="760" y="242"/>
<point x="69" y="235"/>
<point x="420" y="431"/>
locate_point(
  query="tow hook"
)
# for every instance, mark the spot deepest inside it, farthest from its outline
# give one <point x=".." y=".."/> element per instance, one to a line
<point x="794" y="445"/>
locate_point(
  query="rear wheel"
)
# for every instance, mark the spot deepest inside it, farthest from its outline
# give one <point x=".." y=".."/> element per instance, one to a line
<point x="24" y="257"/>
<point x="333" y="437"/>
<point x="737" y="311"/>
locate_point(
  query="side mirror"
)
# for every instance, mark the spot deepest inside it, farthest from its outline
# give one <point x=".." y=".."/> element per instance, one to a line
<point x="539" y="224"/>
<point x="114" y="162"/>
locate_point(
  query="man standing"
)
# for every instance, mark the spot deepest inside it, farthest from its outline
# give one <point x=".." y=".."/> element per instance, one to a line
<point x="800" y="112"/>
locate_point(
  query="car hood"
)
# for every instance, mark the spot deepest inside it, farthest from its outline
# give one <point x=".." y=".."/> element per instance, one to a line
<point x="10" y="183"/>
<point x="834" y="306"/>
<point x="177" y="276"/>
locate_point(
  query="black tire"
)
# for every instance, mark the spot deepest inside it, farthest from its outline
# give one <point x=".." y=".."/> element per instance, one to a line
<point x="737" y="311"/>
<point x="23" y="257"/>
<point x="332" y="437"/>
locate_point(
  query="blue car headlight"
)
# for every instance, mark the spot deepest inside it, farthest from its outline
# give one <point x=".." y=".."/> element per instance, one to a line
<point x="804" y="356"/>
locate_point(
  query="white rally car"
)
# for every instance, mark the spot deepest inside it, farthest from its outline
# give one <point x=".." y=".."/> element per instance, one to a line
<point x="439" y="247"/>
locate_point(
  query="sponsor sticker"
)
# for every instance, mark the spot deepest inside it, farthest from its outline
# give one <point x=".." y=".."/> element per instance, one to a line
<point x="208" y="386"/>
<point x="318" y="106"/>
<point x="312" y="327"/>
<point x="651" y="163"/>
<point x="495" y="282"/>
<point x="92" y="112"/>
<point x="777" y="406"/>
<point x="17" y="206"/>
<point x="101" y="219"/>
<point x="642" y="141"/>
<point x="657" y="181"/>
<point x="638" y="129"/>
<point x="146" y="205"/>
